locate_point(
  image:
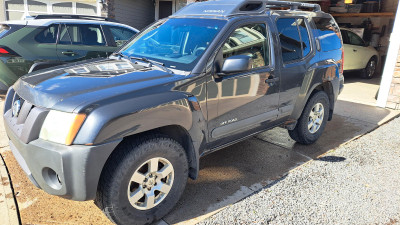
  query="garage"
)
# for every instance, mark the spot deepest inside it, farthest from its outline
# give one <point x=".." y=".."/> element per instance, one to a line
<point x="17" y="9"/>
<point x="370" y="52"/>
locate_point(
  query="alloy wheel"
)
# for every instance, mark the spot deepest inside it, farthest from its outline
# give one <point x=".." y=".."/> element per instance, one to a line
<point x="315" y="118"/>
<point x="150" y="183"/>
<point x="371" y="68"/>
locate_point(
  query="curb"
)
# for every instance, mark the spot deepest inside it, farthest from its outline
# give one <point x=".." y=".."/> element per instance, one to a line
<point x="8" y="208"/>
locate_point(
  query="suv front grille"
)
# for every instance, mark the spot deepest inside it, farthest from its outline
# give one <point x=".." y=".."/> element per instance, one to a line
<point x="22" y="117"/>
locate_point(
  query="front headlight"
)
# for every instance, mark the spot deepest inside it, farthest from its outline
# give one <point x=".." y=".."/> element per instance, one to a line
<point x="61" y="127"/>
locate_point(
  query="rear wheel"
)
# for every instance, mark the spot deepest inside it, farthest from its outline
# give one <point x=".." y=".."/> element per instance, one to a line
<point x="369" y="71"/>
<point x="143" y="181"/>
<point x="312" y="121"/>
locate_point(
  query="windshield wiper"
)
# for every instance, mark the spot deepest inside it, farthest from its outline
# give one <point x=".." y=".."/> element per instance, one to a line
<point x="153" y="63"/>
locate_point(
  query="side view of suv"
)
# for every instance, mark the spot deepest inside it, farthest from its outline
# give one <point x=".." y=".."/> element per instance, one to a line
<point x="127" y="131"/>
<point x="49" y="40"/>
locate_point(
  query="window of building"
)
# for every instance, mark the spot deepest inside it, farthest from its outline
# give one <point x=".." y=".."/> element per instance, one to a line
<point x="85" y="9"/>
<point x="63" y="8"/>
<point x="249" y="40"/>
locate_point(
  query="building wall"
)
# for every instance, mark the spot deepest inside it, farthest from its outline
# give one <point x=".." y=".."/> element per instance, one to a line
<point x="136" y="13"/>
<point x="2" y="11"/>
<point x="393" y="101"/>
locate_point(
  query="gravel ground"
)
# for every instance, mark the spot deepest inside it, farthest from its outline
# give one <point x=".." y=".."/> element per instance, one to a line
<point x="357" y="183"/>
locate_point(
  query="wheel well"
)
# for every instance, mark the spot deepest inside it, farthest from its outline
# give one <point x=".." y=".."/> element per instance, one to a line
<point x="180" y="135"/>
<point x="328" y="89"/>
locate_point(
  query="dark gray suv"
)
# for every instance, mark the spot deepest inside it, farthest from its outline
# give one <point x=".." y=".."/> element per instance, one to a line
<point x="127" y="131"/>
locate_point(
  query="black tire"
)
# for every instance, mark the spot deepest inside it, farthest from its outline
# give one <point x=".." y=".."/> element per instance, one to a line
<point x="112" y="194"/>
<point x="301" y="132"/>
<point x="369" y="71"/>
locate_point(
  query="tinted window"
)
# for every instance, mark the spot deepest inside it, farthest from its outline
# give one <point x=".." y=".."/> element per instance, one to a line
<point x="48" y="35"/>
<point x="3" y="29"/>
<point x="354" y="39"/>
<point x="248" y="40"/>
<point x="121" y="34"/>
<point x="328" y="34"/>
<point x="305" y="38"/>
<point x="81" y="34"/>
<point x="290" y="39"/>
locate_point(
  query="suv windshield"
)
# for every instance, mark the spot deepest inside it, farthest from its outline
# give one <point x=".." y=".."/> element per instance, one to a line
<point x="178" y="43"/>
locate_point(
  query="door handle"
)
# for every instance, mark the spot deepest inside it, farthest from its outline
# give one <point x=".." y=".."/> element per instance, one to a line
<point x="354" y="50"/>
<point x="272" y="80"/>
<point x="69" y="53"/>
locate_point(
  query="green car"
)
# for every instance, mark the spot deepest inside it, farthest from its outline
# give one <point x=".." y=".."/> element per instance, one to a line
<point x="50" y="40"/>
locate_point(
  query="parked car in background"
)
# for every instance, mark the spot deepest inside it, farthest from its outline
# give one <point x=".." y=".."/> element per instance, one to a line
<point x="48" y="40"/>
<point x="358" y="55"/>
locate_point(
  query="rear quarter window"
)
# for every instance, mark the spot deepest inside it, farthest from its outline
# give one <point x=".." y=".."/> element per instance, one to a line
<point x="6" y="30"/>
<point x="328" y="33"/>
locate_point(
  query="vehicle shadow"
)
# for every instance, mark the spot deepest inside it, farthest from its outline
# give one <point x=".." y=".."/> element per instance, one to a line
<point x="236" y="172"/>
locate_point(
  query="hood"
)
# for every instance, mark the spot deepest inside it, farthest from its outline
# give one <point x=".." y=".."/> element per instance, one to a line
<point x="66" y="87"/>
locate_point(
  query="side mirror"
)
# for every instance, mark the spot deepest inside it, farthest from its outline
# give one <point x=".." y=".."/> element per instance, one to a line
<point x="237" y="63"/>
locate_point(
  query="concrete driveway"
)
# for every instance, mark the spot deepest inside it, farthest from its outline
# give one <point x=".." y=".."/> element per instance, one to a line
<point x="226" y="176"/>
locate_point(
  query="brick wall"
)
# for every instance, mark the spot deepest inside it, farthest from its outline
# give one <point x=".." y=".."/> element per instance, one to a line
<point x="393" y="101"/>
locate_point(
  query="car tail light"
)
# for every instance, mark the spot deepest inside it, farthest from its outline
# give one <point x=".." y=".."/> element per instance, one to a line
<point x="4" y="51"/>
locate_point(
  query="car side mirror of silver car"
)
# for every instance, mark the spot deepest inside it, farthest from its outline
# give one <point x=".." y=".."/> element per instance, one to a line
<point x="236" y="63"/>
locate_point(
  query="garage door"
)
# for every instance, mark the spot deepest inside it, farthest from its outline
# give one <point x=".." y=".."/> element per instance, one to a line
<point x="16" y="9"/>
<point x="136" y="13"/>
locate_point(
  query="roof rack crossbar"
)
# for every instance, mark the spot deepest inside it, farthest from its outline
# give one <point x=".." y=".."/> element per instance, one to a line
<point x="293" y="5"/>
<point x="238" y="7"/>
<point x="65" y="16"/>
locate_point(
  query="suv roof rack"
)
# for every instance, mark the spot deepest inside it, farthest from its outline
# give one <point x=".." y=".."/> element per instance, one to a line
<point x="238" y="7"/>
<point x="65" y="16"/>
<point x="293" y="5"/>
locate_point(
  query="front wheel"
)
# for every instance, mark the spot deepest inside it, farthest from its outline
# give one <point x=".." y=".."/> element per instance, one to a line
<point x="313" y="120"/>
<point x="143" y="180"/>
<point x="369" y="71"/>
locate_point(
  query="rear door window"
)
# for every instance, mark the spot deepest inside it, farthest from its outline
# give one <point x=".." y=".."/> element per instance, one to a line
<point x="82" y="34"/>
<point x="305" y="37"/>
<point x="120" y="34"/>
<point x="290" y="39"/>
<point x="328" y="33"/>
<point x="48" y="35"/>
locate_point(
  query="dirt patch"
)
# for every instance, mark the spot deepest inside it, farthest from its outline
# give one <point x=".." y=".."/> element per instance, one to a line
<point x="38" y="207"/>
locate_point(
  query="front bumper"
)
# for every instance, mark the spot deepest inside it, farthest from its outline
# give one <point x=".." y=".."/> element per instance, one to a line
<point x="71" y="172"/>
